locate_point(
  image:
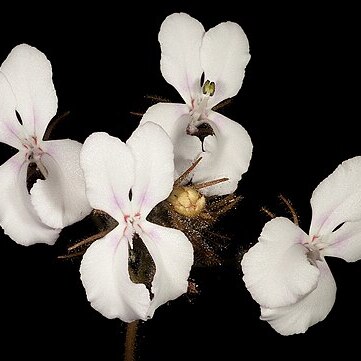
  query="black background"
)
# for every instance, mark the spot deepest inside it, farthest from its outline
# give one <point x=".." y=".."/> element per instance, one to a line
<point x="299" y="103"/>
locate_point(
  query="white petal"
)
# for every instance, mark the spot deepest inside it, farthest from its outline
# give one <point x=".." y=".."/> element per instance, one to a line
<point x="154" y="168"/>
<point x="17" y="216"/>
<point x="313" y="308"/>
<point x="224" y="56"/>
<point x="276" y="270"/>
<point x="108" y="167"/>
<point x="10" y="129"/>
<point x="227" y="155"/>
<point x="29" y="73"/>
<point x="337" y="199"/>
<point x="174" y="119"/>
<point x="345" y="242"/>
<point x="105" y="276"/>
<point x="173" y="257"/>
<point x="180" y="38"/>
<point x="60" y="200"/>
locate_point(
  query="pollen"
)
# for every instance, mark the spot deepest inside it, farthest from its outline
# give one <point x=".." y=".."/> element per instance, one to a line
<point x="187" y="201"/>
<point x="209" y="88"/>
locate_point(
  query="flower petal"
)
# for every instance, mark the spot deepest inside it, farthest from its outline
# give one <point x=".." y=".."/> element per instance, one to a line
<point x="17" y="216"/>
<point x="224" y="57"/>
<point x="180" y="38"/>
<point x="276" y="270"/>
<point x="105" y="276"/>
<point x="313" y="308"/>
<point x="10" y="128"/>
<point x="337" y="199"/>
<point x="108" y="167"/>
<point x="173" y="257"/>
<point x="29" y="74"/>
<point x="174" y="119"/>
<point x="227" y="155"/>
<point x="154" y="167"/>
<point x="345" y="242"/>
<point x="60" y="200"/>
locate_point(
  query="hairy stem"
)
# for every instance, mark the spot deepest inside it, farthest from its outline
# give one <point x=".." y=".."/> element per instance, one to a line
<point x="90" y="239"/>
<point x="130" y="341"/>
<point x="210" y="183"/>
<point x="268" y="212"/>
<point x="186" y="173"/>
<point x="290" y="208"/>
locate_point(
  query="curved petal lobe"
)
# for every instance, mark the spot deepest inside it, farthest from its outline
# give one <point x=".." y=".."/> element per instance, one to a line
<point x="108" y="167"/>
<point x="227" y="155"/>
<point x="105" y="277"/>
<point x="276" y="270"/>
<point x="174" y="119"/>
<point x="173" y="257"/>
<point x="29" y="74"/>
<point x="313" y="308"/>
<point x="17" y="216"/>
<point x="154" y="168"/>
<point x="224" y="57"/>
<point x="337" y="199"/>
<point x="180" y="38"/>
<point x="345" y="242"/>
<point x="60" y="200"/>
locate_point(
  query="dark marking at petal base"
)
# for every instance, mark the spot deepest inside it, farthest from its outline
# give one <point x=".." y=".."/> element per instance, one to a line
<point x="141" y="266"/>
<point x="33" y="174"/>
<point x="203" y="131"/>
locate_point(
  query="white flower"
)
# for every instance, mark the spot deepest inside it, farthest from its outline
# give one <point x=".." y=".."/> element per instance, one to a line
<point x="127" y="181"/>
<point x="286" y="272"/>
<point x="221" y="54"/>
<point x="26" y="89"/>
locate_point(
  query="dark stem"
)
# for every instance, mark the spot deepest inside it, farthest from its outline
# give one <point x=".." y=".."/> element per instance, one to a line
<point x="157" y="98"/>
<point x="268" y="212"/>
<point x="130" y="341"/>
<point x="53" y="123"/>
<point x="137" y="114"/>
<point x="90" y="239"/>
<point x="290" y="208"/>
<point x="182" y="177"/>
<point x="222" y="104"/>
<point x="210" y="183"/>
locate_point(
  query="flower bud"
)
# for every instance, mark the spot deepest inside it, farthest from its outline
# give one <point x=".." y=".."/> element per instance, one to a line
<point x="187" y="201"/>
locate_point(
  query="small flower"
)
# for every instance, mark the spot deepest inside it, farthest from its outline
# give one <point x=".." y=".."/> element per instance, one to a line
<point x="27" y="104"/>
<point x="286" y="271"/>
<point x="221" y="55"/>
<point x="127" y="181"/>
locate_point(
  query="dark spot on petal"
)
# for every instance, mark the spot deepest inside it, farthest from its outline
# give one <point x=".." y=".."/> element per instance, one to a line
<point x="130" y="195"/>
<point x="338" y="227"/>
<point x="203" y="131"/>
<point x="18" y="117"/>
<point x="33" y="174"/>
<point x="141" y="266"/>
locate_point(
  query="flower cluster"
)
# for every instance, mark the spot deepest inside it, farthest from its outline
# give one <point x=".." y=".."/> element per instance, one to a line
<point x="165" y="186"/>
